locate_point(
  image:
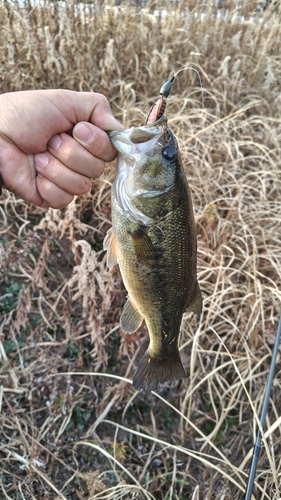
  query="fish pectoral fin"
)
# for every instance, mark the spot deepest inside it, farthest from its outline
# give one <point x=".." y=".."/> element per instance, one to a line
<point x="197" y="303"/>
<point x="131" y="319"/>
<point x="110" y="244"/>
<point x="143" y="246"/>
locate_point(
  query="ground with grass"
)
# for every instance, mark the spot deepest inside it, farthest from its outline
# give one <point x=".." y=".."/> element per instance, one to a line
<point x="71" y="424"/>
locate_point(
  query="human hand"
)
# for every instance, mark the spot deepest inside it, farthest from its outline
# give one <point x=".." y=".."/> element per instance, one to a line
<point x="53" y="142"/>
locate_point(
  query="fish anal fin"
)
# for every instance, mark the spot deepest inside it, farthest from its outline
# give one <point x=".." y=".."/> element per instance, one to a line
<point x="145" y="250"/>
<point x="154" y="370"/>
<point x="110" y="245"/>
<point x="131" y="319"/>
<point x="197" y="303"/>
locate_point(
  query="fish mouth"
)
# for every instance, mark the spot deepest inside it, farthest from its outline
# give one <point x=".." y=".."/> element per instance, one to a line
<point x="135" y="139"/>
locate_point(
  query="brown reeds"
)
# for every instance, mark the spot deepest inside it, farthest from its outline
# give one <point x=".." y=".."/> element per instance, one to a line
<point x="68" y="431"/>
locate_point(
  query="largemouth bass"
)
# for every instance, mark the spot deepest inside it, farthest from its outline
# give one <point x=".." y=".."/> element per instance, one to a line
<point x="153" y="239"/>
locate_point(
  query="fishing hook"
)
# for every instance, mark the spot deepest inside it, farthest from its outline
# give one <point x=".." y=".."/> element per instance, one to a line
<point x="165" y="92"/>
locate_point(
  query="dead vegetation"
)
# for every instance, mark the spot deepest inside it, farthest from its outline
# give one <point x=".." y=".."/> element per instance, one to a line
<point x="71" y="425"/>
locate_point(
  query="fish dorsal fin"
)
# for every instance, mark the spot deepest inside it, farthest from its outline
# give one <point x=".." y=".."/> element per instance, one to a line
<point x="131" y="319"/>
<point x="196" y="304"/>
<point x="110" y="245"/>
<point x="145" y="250"/>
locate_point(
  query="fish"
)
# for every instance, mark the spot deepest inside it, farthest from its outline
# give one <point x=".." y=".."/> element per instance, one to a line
<point x="153" y="240"/>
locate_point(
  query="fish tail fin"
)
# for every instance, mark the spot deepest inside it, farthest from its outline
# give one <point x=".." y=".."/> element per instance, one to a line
<point x="156" y="369"/>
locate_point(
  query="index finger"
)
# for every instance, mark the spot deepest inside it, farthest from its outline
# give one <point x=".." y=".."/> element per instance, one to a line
<point x="88" y="106"/>
<point x="102" y="116"/>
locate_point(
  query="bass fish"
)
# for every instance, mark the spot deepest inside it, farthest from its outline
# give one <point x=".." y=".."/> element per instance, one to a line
<point x="153" y="239"/>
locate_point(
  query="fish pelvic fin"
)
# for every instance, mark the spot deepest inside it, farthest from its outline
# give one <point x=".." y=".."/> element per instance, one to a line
<point x="154" y="370"/>
<point x="110" y="244"/>
<point x="197" y="303"/>
<point x="130" y="319"/>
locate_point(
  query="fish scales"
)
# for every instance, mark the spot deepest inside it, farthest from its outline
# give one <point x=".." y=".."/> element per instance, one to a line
<point x="153" y="239"/>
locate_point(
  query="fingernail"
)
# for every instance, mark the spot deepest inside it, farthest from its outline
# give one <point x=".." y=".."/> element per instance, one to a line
<point x="83" y="133"/>
<point x="39" y="175"/>
<point x="118" y="125"/>
<point x="41" y="160"/>
<point x="55" y="142"/>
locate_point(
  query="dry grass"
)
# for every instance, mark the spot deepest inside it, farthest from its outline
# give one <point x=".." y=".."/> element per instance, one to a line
<point x="71" y="425"/>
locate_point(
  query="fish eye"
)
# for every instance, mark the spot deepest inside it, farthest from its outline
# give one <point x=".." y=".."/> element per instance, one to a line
<point x="169" y="152"/>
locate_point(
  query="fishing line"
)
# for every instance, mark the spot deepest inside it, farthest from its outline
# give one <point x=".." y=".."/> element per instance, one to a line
<point x="157" y="109"/>
<point x="166" y="87"/>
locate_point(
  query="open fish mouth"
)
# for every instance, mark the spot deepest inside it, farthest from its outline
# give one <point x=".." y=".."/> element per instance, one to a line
<point x="138" y="139"/>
